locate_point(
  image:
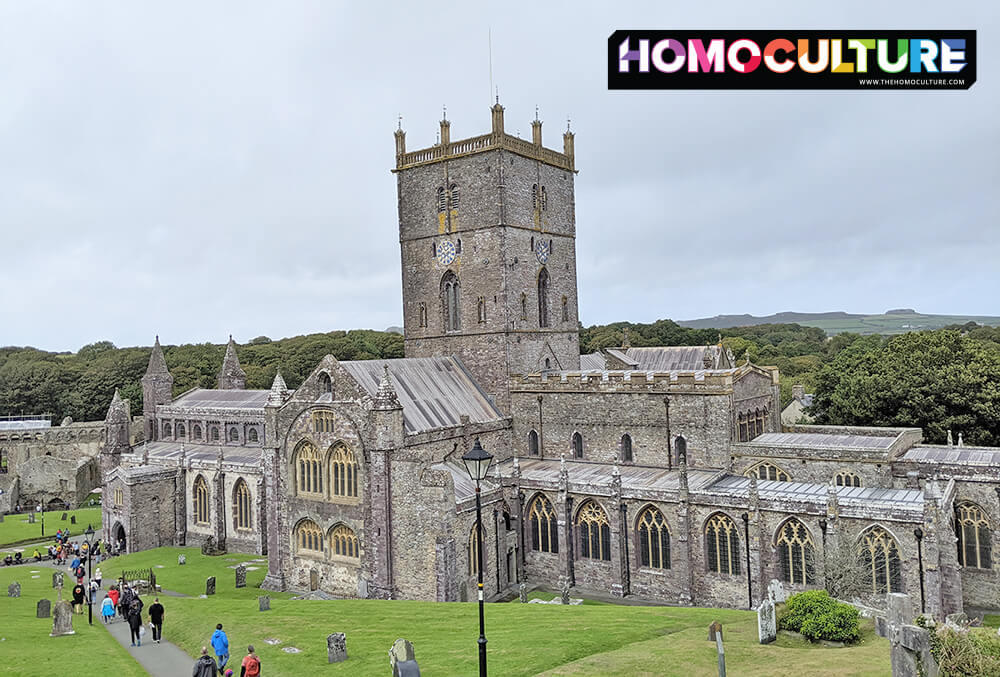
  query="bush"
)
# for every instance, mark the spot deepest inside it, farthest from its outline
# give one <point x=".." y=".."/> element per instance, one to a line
<point x="967" y="653"/>
<point x="818" y="616"/>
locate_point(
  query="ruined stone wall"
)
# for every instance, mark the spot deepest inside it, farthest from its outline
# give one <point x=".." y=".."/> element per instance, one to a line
<point x="51" y="463"/>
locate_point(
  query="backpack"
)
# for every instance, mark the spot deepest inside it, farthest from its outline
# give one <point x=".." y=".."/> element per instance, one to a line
<point x="253" y="666"/>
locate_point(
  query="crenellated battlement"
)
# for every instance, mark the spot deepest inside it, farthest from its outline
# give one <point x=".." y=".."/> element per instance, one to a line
<point x="718" y="380"/>
<point x="497" y="139"/>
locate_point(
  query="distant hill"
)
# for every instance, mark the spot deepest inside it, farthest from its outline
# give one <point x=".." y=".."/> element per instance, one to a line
<point x="896" y="321"/>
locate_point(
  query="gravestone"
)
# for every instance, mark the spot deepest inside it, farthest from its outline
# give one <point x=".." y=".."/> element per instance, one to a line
<point x="767" y="630"/>
<point x="62" y="620"/>
<point x="910" y="644"/>
<point x="564" y="591"/>
<point x="43" y="609"/>
<point x="336" y="647"/>
<point x="181" y="560"/>
<point x="314" y="580"/>
<point x="241" y="576"/>
<point x="1" y="517"/>
<point x="64" y="516"/>
<point x="14" y="589"/>
<point x="57" y="579"/>
<point x="522" y="593"/>
<point x="401" y="659"/>
<point x="776" y="591"/>
<point x="31" y="518"/>
<point x="264" y="603"/>
<point x="210" y="585"/>
<point x="72" y="519"/>
<point x="714" y="629"/>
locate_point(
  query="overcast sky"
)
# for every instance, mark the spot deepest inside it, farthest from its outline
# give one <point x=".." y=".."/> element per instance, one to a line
<point x="198" y="169"/>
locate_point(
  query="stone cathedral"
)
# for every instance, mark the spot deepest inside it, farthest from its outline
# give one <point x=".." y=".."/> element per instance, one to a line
<point x="659" y="474"/>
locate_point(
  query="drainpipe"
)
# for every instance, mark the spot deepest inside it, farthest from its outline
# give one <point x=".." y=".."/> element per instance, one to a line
<point x="496" y="527"/>
<point x="919" y="533"/>
<point x="746" y="537"/>
<point x="625" y="536"/>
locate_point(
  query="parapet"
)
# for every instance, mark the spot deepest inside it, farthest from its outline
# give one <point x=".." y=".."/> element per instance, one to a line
<point x="718" y="380"/>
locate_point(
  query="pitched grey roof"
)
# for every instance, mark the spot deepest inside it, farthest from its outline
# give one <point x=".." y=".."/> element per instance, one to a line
<point x="592" y="362"/>
<point x="656" y="358"/>
<point x="980" y="456"/>
<point x="821" y="441"/>
<point x="734" y="485"/>
<point x="202" y="452"/>
<point x="223" y="399"/>
<point x="24" y="423"/>
<point x="639" y="478"/>
<point x="434" y="391"/>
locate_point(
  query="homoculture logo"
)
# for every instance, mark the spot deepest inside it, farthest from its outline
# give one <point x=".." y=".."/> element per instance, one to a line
<point x="665" y="59"/>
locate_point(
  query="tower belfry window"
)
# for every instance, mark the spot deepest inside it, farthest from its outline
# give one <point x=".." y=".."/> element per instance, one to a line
<point x="543" y="298"/>
<point x="442" y="200"/>
<point x="450" y="302"/>
<point x="453" y="194"/>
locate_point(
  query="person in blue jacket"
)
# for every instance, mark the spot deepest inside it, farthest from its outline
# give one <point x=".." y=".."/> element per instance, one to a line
<point x="220" y="643"/>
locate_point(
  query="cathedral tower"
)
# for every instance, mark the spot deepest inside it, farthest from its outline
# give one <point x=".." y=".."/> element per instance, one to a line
<point x="116" y="434"/>
<point x="157" y="388"/>
<point x="487" y="229"/>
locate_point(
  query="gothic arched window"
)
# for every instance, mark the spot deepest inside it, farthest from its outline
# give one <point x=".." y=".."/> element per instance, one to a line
<point x="215" y="433"/>
<point x="450" y="302"/>
<point x="309" y="537"/>
<point x="344" y="542"/>
<point x="595" y="531"/>
<point x="543" y="298"/>
<point x="722" y="545"/>
<point x="565" y="309"/>
<point x="453" y="194"/>
<point x="796" y="553"/>
<point x="241" y="504"/>
<point x="442" y="200"/>
<point x="626" y="448"/>
<point x="234" y="435"/>
<point x="879" y="556"/>
<point x="533" y="443"/>
<point x="542" y="519"/>
<point x="544" y="200"/>
<point x="524" y="306"/>
<point x="196" y="432"/>
<point x="253" y="435"/>
<point x="166" y="430"/>
<point x="846" y="479"/>
<point x="181" y="430"/>
<point x="343" y="471"/>
<point x="654" y="539"/>
<point x="534" y="198"/>
<point x="481" y="309"/>
<point x="768" y="471"/>
<point x="309" y="470"/>
<point x="200" y="500"/>
<point x="577" y="443"/>
<point x="973" y="531"/>
<point x="325" y="383"/>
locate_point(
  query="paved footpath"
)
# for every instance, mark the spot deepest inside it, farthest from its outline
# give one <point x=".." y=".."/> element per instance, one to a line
<point x="159" y="660"/>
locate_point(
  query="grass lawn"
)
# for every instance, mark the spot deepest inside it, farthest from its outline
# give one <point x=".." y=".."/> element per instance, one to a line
<point x="992" y="620"/>
<point x="25" y="644"/>
<point x="16" y="529"/>
<point x="524" y="639"/>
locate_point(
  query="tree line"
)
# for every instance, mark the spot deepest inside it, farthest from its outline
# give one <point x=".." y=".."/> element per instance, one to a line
<point x="937" y="380"/>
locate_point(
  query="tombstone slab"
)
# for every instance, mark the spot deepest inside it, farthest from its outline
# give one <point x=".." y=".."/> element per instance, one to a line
<point x="564" y="591"/>
<point x="264" y="603"/>
<point x="43" y="609"/>
<point x="522" y="593"/>
<point x="402" y="650"/>
<point x="776" y="591"/>
<point x="14" y="589"/>
<point x="181" y="560"/>
<point x="210" y="585"/>
<point x="64" y="516"/>
<point x="406" y="669"/>
<point x="336" y="647"/>
<point x="72" y="519"/>
<point x="241" y="576"/>
<point x="57" y="579"/>
<point x="62" y="620"/>
<point x="31" y="518"/>
<point x="767" y="627"/>
<point x="909" y="644"/>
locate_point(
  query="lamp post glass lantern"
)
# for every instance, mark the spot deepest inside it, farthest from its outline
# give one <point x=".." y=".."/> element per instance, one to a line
<point x="89" y="533"/>
<point x="477" y="462"/>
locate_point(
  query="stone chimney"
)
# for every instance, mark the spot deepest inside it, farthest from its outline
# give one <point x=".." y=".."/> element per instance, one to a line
<point x="798" y="392"/>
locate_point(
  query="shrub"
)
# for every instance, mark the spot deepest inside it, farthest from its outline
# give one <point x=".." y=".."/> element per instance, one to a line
<point x="966" y="653"/>
<point x="818" y="616"/>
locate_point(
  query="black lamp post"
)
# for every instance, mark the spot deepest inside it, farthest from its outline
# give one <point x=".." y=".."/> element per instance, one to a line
<point x="40" y="509"/>
<point x="89" y="533"/>
<point x="477" y="462"/>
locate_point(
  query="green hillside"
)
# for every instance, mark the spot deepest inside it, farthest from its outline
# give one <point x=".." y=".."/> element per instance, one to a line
<point x="897" y="321"/>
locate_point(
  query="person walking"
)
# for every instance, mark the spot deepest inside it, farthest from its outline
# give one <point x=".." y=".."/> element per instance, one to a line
<point x="220" y="643"/>
<point x="113" y="594"/>
<point x="97" y="576"/>
<point x="78" y="593"/>
<point x="251" y="664"/>
<point x="204" y="666"/>
<point x="156" y="619"/>
<point x="107" y="609"/>
<point x="135" y="624"/>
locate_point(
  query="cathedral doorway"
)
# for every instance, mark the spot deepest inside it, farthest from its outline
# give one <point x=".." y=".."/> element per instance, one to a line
<point x="118" y="533"/>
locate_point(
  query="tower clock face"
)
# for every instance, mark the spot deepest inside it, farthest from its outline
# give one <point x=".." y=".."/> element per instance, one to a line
<point x="542" y="252"/>
<point x="446" y="253"/>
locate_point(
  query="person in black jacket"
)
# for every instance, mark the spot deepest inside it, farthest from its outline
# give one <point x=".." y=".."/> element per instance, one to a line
<point x="156" y="618"/>
<point x="204" y="666"/>
<point x="78" y="593"/>
<point x="135" y="622"/>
